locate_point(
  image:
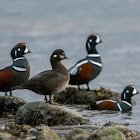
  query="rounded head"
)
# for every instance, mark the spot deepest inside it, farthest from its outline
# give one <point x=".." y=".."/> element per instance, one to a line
<point x="94" y="39"/>
<point x="19" y="50"/>
<point x="58" y="55"/>
<point x="91" y="42"/>
<point x="128" y="92"/>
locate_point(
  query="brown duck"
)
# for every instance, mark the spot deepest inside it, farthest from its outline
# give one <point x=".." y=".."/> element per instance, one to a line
<point x="51" y="81"/>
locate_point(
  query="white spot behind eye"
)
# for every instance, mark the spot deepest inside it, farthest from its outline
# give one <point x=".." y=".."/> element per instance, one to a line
<point x="54" y="55"/>
<point x="90" y="40"/>
<point x="127" y="91"/>
<point x="19" y="49"/>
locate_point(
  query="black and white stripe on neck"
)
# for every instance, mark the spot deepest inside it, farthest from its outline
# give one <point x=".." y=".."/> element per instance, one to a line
<point x="20" y="58"/>
<point x="93" y="55"/>
<point x="19" y="69"/>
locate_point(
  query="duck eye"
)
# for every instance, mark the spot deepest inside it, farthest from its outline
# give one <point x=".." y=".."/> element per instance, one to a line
<point x="90" y="40"/>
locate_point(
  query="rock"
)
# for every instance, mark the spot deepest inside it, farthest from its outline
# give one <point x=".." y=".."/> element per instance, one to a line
<point x="45" y="133"/>
<point x="111" y="133"/>
<point x="129" y="134"/>
<point x="5" y="136"/>
<point x="9" y="106"/>
<point x="37" y="113"/>
<point x="75" y="96"/>
<point x="77" y="134"/>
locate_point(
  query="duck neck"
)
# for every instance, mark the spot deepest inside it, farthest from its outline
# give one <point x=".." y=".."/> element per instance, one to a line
<point x="91" y="48"/>
<point x="125" y="97"/>
<point x="59" y="67"/>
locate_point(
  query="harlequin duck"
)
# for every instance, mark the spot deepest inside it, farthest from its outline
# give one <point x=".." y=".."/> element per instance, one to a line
<point x="88" y="68"/>
<point x="51" y="81"/>
<point x="123" y="105"/>
<point x="18" y="72"/>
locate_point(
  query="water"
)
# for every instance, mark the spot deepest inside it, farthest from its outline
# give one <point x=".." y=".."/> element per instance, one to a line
<point x="48" y="25"/>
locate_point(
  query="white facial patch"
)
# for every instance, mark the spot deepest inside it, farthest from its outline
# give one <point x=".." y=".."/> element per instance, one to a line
<point x="98" y="39"/>
<point x="19" y="49"/>
<point x="134" y="91"/>
<point x="26" y="49"/>
<point x="62" y="56"/>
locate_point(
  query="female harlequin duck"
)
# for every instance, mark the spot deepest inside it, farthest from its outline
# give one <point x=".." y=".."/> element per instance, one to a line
<point x="18" y="72"/>
<point x="51" y="81"/>
<point x="123" y="105"/>
<point x="88" y="68"/>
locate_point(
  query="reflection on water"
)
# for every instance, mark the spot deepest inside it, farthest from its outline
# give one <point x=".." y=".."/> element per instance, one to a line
<point x="47" y="25"/>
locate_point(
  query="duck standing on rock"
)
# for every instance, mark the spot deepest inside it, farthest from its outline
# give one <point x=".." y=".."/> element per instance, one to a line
<point x="18" y="72"/>
<point x="88" y="68"/>
<point x="123" y="105"/>
<point x="51" y="81"/>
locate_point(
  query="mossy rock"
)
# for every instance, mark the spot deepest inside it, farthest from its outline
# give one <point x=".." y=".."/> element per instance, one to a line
<point x="45" y="133"/>
<point x="9" y="106"/>
<point x="36" y="113"/>
<point x="75" y="96"/>
<point x="111" y="134"/>
<point x="77" y="133"/>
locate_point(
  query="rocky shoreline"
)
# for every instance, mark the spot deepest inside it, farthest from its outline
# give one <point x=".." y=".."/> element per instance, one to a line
<point x="41" y="121"/>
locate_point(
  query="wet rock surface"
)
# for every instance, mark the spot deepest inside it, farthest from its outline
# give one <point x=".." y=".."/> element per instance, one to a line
<point x="9" y="106"/>
<point x="75" y="96"/>
<point x="109" y="131"/>
<point x="37" y="113"/>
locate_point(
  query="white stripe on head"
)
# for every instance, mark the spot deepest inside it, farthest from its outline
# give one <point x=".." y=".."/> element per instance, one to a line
<point x="98" y="39"/>
<point x="89" y="45"/>
<point x="15" y="52"/>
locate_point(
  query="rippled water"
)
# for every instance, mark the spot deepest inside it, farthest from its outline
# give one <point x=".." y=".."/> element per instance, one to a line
<point x="47" y="25"/>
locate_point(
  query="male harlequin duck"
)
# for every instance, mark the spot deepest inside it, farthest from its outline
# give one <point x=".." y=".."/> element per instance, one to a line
<point x="88" y="68"/>
<point x="51" y="81"/>
<point x="123" y="105"/>
<point x="18" y="72"/>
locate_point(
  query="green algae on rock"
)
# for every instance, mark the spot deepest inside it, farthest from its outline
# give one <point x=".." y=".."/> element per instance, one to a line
<point x="9" y="106"/>
<point x="76" y="134"/>
<point x="36" y="113"/>
<point x="45" y="133"/>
